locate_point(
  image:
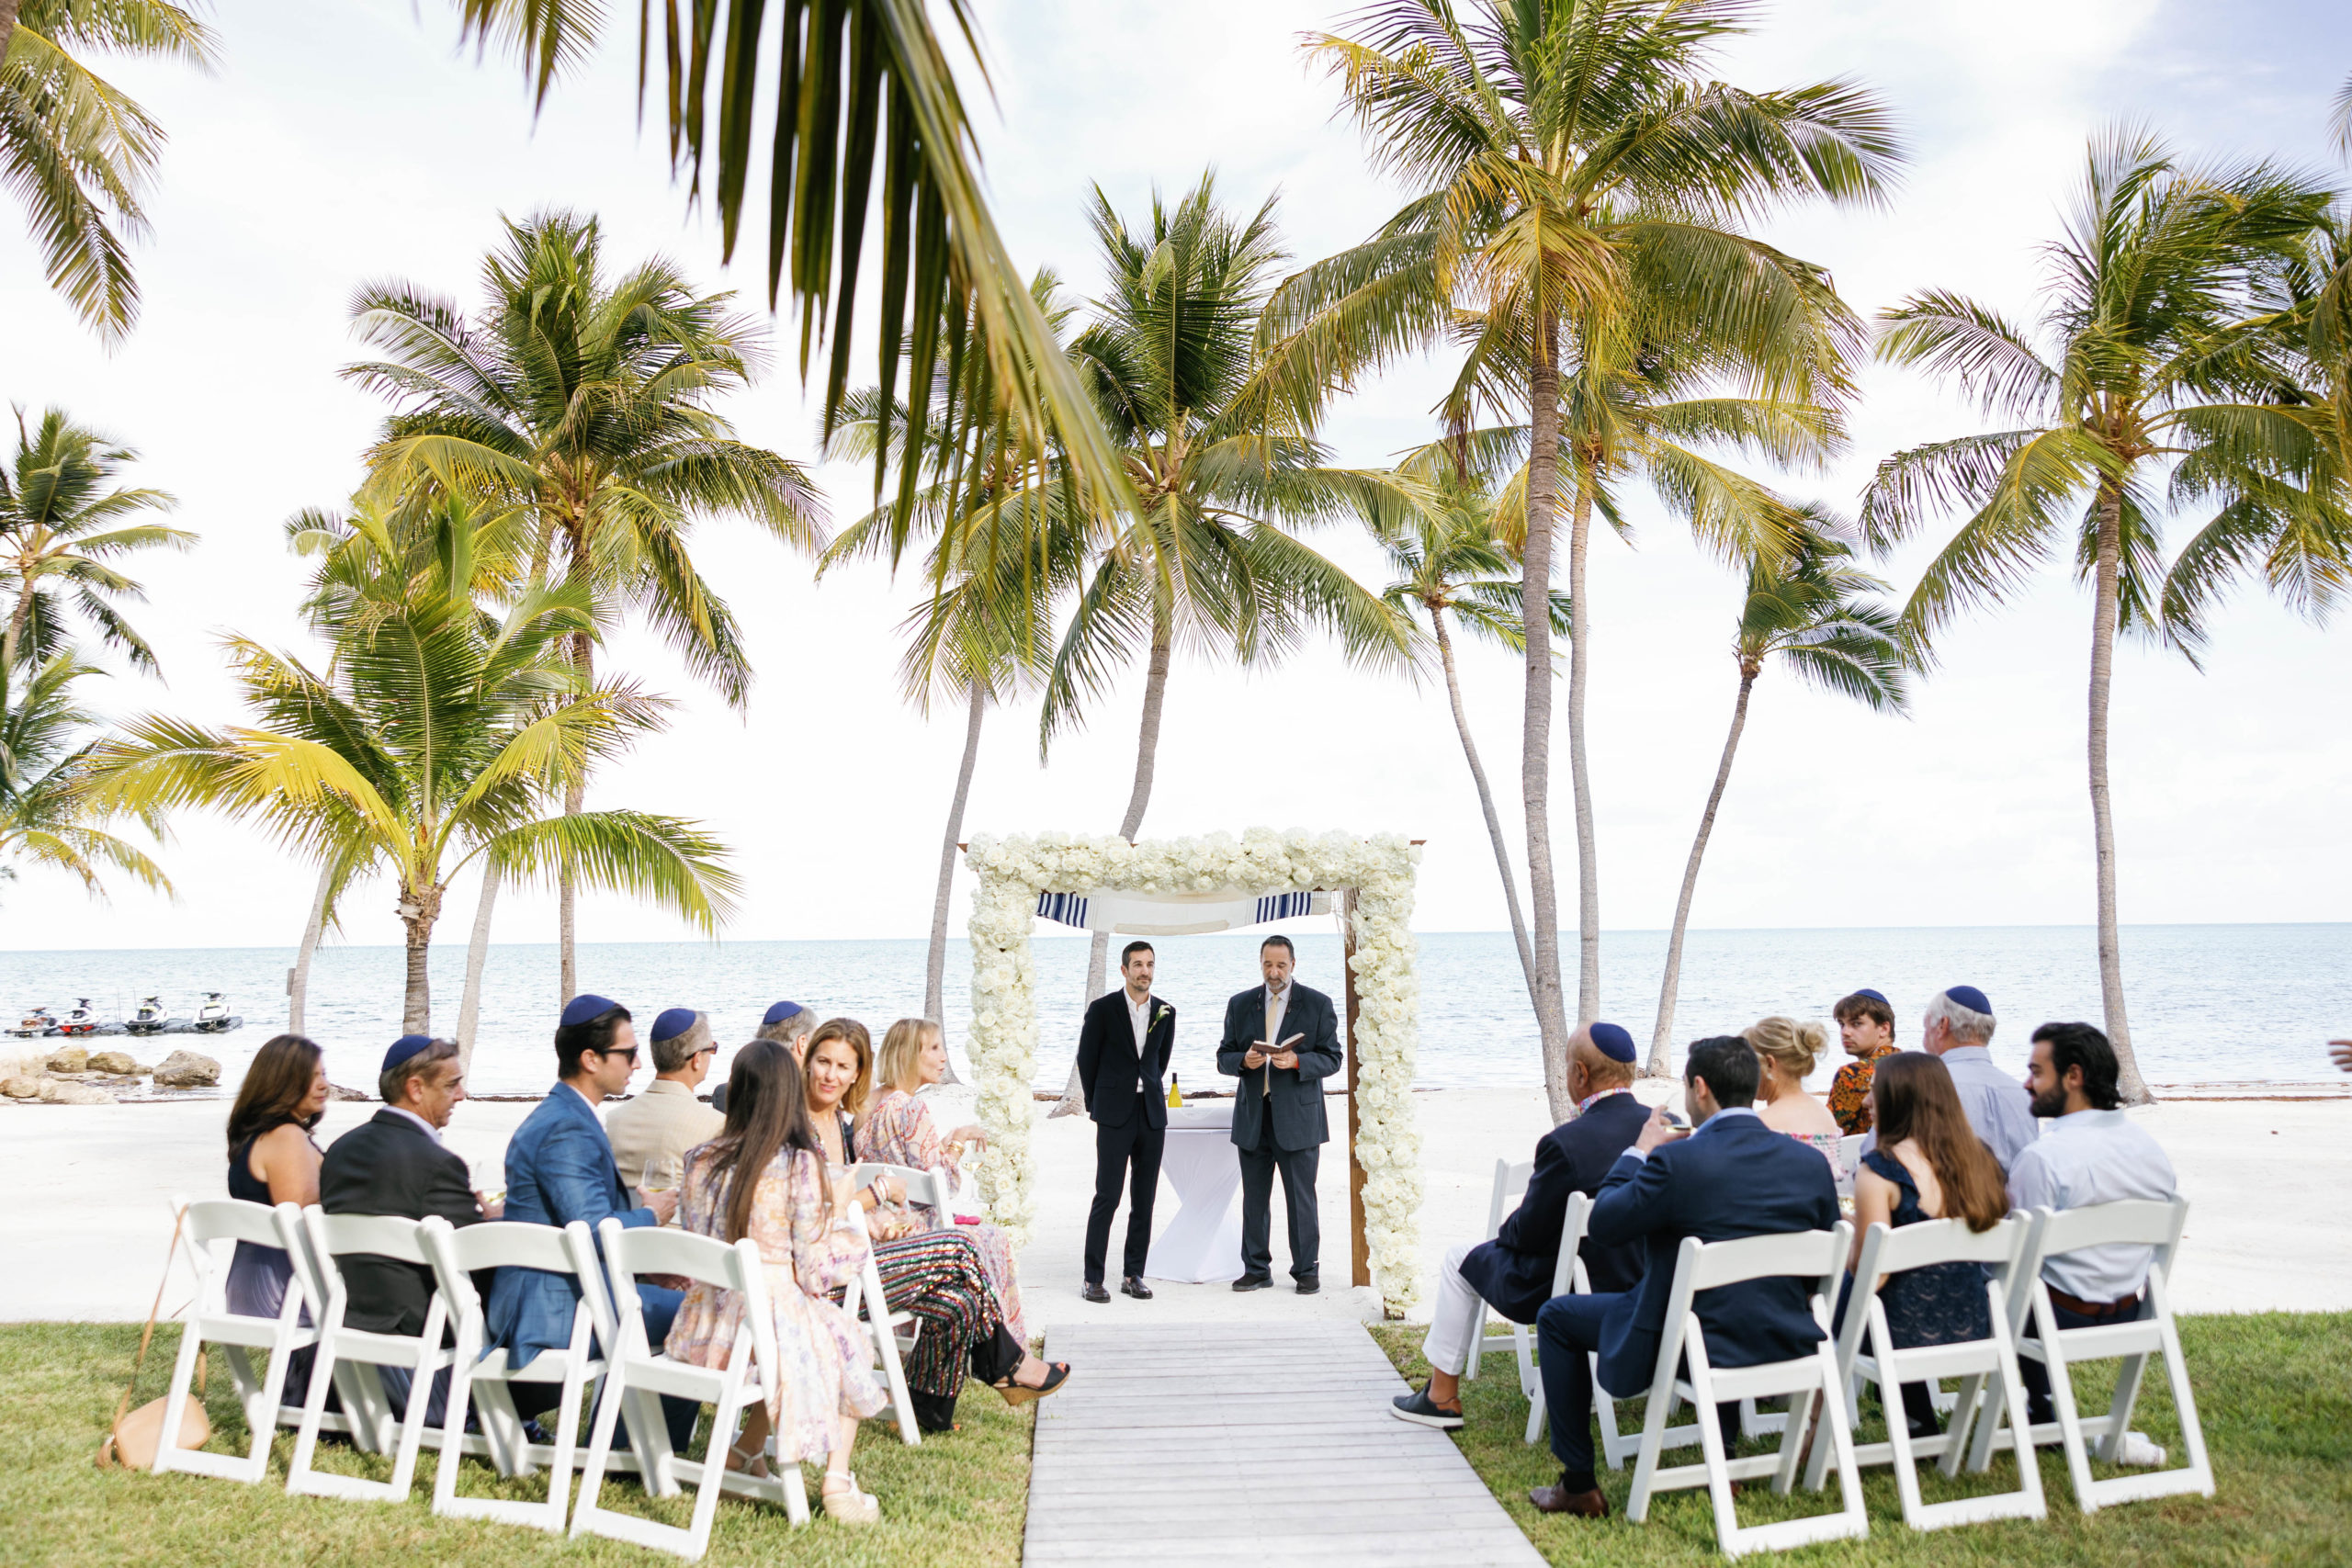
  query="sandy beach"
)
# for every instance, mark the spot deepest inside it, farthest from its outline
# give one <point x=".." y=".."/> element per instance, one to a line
<point x="2265" y="1177"/>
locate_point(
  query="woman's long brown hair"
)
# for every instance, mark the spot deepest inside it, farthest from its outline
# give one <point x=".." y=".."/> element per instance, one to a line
<point x="766" y="1115"/>
<point x="853" y="1032"/>
<point x="278" y="1081"/>
<point x="1914" y="1097"/>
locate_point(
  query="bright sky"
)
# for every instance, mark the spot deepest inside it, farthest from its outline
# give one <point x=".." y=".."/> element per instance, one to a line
<point x="347" y="140"/>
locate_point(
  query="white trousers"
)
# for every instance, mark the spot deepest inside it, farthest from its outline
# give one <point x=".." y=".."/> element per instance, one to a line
<point x="1455" y="1318"/>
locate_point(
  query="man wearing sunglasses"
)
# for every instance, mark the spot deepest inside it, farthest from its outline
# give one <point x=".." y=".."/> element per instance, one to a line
<point x="559" y="1168"/>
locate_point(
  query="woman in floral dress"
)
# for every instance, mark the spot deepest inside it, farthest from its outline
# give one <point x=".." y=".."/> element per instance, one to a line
<point x="764" y="1177"/>
<point x="898" y="1130"/>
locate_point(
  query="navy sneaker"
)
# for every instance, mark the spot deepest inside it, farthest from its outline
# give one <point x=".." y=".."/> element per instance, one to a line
<point x="1422" y="1411"/>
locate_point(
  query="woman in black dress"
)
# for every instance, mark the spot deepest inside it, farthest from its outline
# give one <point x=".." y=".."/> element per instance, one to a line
<point x="1929" y="1165"/>
<point x="273" y="1160"/>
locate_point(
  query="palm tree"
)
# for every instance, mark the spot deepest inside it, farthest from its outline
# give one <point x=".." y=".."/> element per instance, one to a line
<point x="1007" y="538"/>
<point x="860" y="85"/>
<point x="433" y="740"/>
<point x="44" y="819"/>
<point x="60" y="530"/>
<point x="1219" y="458"/>
<point x="78" y="150"/>
<point x="1585" y="196"/>
<point x="1443" y="538"/>
<point x="586" y="402"/>
<point x="1809" y="609"/>
<point x="2138" y="362"/>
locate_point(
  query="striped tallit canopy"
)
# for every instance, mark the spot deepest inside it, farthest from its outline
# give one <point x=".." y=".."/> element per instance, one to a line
<point x="1177" y="914"/>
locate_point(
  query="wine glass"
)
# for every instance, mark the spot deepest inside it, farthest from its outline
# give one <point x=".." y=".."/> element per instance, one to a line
<point x="663" y="1173"/>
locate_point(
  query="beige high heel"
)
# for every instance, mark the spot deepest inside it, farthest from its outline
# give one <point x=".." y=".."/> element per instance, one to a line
<point x="849" y="1506"/>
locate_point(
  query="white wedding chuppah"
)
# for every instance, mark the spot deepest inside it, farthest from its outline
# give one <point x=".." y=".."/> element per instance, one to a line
<point x="1196" y="885"/>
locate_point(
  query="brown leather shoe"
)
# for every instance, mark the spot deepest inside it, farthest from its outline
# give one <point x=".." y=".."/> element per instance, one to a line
<point x="1560" y="1500"/>
<point x="1094" y="1292"/>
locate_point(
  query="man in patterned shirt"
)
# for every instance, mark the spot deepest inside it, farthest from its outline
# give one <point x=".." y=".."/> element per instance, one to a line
<point x="1866" y="1025"/>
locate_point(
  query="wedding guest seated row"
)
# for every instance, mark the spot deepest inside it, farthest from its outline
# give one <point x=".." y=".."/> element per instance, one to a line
<point x="1785" y="1054"/>
<point x="1731" y="1176"/>
<point x="938" y="1275"/>
<point x="2090" y="1153"/>
<point x="1929" y="1165"/>
<point x="651" y="1133"/>
<point x="1513" y="1273"/>
<point x="765" y="1176"/>
<point x="273" y="1159"/>
<point x="897" y="1129"/>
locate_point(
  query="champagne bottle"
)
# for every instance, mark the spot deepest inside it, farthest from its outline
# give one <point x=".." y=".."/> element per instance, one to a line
<point x="1175" y="1093"/>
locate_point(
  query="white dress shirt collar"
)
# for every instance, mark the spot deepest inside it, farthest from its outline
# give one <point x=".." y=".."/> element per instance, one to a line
<point x="429" y="1130"/>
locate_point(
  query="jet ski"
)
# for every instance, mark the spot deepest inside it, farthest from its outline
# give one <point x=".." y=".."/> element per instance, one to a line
<point x="35" y="1023"/>
<point x="149" y="1019"/>
<point x="83" y="1019"/>
<point x="213" y="1017"/>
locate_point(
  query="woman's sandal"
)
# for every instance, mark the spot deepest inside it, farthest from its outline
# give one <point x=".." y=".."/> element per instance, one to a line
<point x="848" y="1505"/>
<point x="749" y="1458"/>
<point x="1015" y="1392"/>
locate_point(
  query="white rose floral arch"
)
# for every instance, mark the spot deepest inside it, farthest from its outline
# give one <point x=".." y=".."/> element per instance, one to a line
<point x="1378" y="873"/>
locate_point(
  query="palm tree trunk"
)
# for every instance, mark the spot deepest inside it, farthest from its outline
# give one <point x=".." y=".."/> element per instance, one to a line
<point x="419" y="909"/>
<point x="1579" y="771"/>
<point x="1485" y="803"/>
<point x="298" y="982"/>
<point x="477" y="956"/>
<point x="575" y="796"/>
<point x="1155" y="693"/>
<point x="8" y="9"/>
<point x="2133" y="1088"/>
<point x="934" y="973"/>
<point x="1535" y="738"/>
<point x="1656" y="1066"/>
<point x="23" y="610"/>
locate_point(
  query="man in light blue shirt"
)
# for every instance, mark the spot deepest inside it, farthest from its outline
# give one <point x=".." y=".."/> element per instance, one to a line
<point x="1958" y="1027"/>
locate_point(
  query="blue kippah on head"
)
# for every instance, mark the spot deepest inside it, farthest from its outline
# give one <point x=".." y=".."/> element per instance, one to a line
<point x="1612" y="1040"/>
<point x="407" y="1045"/>
<point x="1880" y="998"/>
<point x="781" y="1012"/>
<point x="583" y="1008"/>
<point x="673" y="1023"/>
<point x="1970" y="997"/>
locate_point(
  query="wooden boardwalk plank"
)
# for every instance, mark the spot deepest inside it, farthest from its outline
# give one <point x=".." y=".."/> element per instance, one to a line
<point x="1194" y="1443"/>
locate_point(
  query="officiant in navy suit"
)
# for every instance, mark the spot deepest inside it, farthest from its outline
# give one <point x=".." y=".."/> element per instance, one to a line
<point x="1278" y="1121"/>
<point x="1123" y="1051"/>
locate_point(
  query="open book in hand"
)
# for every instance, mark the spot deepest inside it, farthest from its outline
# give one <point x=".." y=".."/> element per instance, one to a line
<point x="1269" y="1051"/>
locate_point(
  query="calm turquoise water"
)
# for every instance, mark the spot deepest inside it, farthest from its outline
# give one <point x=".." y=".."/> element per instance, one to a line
<point x="2208" y="1002"/>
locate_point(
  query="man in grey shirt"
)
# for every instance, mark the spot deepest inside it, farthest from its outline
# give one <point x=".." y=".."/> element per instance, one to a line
<point x="1958" y="1026"/>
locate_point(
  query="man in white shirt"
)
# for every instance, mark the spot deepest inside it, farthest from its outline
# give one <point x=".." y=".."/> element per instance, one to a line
<point x="2091" y="1153"/>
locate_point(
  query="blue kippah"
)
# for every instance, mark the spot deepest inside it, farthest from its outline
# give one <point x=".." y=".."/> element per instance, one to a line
<point x="585" y="1006"/>
<point x="1880" y="998"/>
<point x="673" y="1023"/>
<point x="407" y="1045"/>
<point x="1612" y="1040"/>
<point x="781" y="1012"/>
<point x="1970" y="997"/>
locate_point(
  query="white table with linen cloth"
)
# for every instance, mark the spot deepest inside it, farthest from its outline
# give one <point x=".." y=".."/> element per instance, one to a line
<point x="1203" y="1244"/>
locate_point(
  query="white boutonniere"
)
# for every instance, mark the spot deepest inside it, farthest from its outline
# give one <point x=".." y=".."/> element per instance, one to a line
<point x="1158" y="1017"/>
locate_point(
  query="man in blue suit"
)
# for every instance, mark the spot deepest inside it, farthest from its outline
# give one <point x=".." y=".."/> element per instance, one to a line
<point x="559" y="1168"/>
<point x="1513" y="1273"/>
<point x="1730" y="1176"/>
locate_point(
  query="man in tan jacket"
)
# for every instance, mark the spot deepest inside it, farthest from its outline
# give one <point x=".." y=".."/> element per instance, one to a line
<point x="664" y="1122"/>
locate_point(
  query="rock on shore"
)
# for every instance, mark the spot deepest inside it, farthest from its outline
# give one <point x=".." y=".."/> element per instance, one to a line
<point x="186" y="1069"/>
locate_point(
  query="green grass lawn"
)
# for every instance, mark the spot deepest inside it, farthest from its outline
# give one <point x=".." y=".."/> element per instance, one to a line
<point x="2274" y="1391"/>
<point x="957" y="1500"/>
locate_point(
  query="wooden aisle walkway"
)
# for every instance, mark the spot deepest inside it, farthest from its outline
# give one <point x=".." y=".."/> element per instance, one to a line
<point x="1214" y="1442"/>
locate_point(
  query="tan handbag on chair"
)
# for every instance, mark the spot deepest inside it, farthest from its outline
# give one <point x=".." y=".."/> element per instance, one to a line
<point x="134" y="1436"/>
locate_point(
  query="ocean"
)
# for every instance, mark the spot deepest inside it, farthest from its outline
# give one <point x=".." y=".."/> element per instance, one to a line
<point x="2223" y="1003"/>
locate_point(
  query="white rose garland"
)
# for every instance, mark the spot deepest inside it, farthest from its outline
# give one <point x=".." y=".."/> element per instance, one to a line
<point x="1012" y="872"/>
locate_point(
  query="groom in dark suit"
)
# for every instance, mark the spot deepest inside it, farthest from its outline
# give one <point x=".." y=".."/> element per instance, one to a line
<point x="1123" y="1051"/>
<point x="1278" y="1122"/>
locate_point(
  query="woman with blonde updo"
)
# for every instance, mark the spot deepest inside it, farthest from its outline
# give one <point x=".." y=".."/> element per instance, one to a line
<point x="1786" y="1050"/>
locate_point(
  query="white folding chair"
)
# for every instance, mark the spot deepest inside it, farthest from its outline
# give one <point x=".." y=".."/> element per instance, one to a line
<point x="204" y="1225"/>
<point x="481" y="1379"/>
<point x="2128" y="1224"/>
<point x="1889" y="1251"/>
<point x="1811" y="1378"/>
<point x="332" y="1236"/>
<point x="891" y="1333"/>
<point x="634" y="1366"/>
<point x="1510" y="1185"/>
<point x="1570" y="1276"/>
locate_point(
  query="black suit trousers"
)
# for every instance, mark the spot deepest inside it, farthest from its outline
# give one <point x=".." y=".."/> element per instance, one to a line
<point x="1123" y="1157"/>
<point x="1297" y="1168"/>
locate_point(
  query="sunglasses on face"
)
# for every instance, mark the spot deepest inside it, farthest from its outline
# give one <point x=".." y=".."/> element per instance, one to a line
<point x="628" y="1051"/>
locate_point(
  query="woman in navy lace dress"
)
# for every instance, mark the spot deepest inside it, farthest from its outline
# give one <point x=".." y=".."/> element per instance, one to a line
<point x="1929" y="1165"/>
